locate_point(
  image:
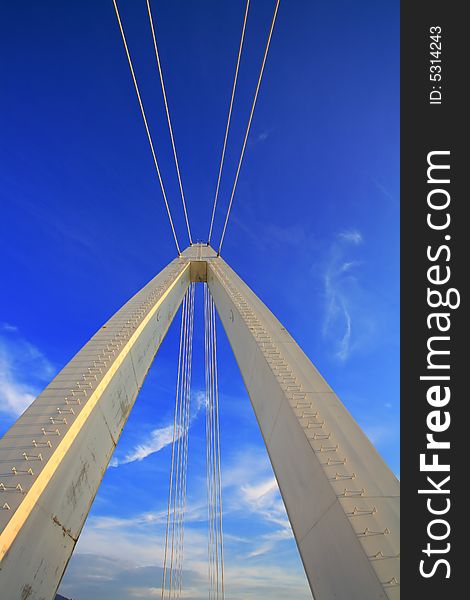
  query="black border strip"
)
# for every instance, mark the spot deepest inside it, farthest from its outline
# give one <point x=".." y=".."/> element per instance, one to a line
<point x="427" y="128"/>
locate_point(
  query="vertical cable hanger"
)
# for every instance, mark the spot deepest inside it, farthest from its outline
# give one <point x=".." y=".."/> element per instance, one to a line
<point x="173" y="446"/>
<point x="186" y="424"/>
<point x="172" y="579"/>
<point x="157" y="56"/>
<point x="216" y="571"/>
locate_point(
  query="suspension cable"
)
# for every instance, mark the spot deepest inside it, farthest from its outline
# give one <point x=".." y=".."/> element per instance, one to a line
<point x="213" y="470"/>
<point x="209" y="511"/>
<point x="183" y="316"/>
<point x="222" y="158"/>
<point x="214" y="452"/>
<point x="174" y="537"/>
<point x="208" y="470"/>
<point x="185" y="395"/>
<point x="187" y="392"/>
<point x="219" y="475"/>
<point x="249" y="125"/>
<point x="129" y="60"/>
<point x="177" y="450"/>
<point x="157" y="56"/>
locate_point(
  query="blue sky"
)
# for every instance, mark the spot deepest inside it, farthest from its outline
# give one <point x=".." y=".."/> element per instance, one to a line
<point x="314" y="232"/>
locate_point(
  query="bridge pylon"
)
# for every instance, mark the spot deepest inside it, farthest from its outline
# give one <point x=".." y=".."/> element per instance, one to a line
<point x="341" y="499"/>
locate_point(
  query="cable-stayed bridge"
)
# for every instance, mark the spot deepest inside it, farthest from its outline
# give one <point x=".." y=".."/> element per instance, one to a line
<point x="341" y="499"/>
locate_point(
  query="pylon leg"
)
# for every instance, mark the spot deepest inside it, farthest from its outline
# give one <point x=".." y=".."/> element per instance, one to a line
<point x="341" y="499"/>
<point x="58" y="450"/>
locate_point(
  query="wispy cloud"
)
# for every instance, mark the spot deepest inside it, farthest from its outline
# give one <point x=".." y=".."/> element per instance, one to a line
<point x="23" y="370"/>
<point x="159" y="438"/>
<point x="251" y="491"/>
<point x="348" y="266"/>
<point x="384" y="190"/>
<point x="261" y="137"/>
<point x="260" y="558"/>
<point x="340" y="285"/>
<point x="345" y="342"/>
<point x="259" y="495"/>
<point x="94" y="575"/>
<point x="353" y="236"/>
<point x="264" y="500"/>
<point x="263" y="497"/>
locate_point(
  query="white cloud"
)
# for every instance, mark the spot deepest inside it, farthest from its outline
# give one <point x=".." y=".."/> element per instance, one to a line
<point x="251" y="492"/>
<point x="139" y="539"/>
<point x="260" y="494"/>
<point x="110" y="547"/>
<point x="94" y="575"/>
<point x="344" y="344"/>
<point x="23" y="371"/>
<point x="353" y="236"/>
<point x="159" y="438"/>
<point x="264" y="498"/>
<point x="337" y="314"/>
<point x="348" y="266"/>
<point x="14" y="397"/>
<point x="122" y="556"/>
<point x="341" y="289"/>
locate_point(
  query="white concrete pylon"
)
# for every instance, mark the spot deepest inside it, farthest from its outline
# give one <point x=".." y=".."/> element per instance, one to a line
<point x="67" y="437"/>
<point x="341" y="499"/>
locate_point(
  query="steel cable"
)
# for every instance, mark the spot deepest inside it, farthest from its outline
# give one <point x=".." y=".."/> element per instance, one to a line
<point x="157" y="56"/>
<point x="174" y="538"/>
<point x="157" y="168"/>
<point x="224" y="147"/>
<point x="249" y="125"/>
<point x="213" y="468"/>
